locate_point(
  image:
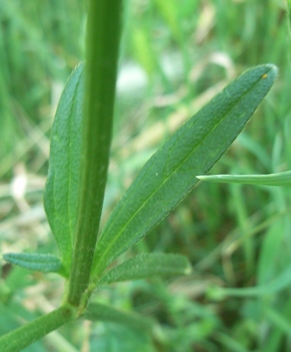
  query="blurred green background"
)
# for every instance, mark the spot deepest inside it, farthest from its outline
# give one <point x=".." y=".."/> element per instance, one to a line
<point x="175" y="56"/>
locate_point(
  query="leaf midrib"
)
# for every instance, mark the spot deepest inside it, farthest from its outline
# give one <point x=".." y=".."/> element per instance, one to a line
<point x="117" y="236"/>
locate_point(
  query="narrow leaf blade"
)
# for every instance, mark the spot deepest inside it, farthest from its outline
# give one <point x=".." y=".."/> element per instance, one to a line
<point x="171" y="172"/>
<point x="61" y="190"/>
<point x="102" y="312"/>
<point x="148" y="265"/>
<point x="45" y="263"/>
<point x="276" y="179"/>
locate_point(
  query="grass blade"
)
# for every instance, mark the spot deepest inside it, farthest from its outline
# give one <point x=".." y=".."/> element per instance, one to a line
<point x="171" y="173"/>
<point x="277" y="179"/>
<point x="281" y="282"/>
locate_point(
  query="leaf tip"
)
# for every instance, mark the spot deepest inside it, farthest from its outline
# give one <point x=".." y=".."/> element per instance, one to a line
<point x="271" y="71"/>
<point x="202" y="177"/>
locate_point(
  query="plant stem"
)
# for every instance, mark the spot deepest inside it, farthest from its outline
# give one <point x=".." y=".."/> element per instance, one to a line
<point x="103" y="32"/>
<point x="33" y="331"/>
<point x="289" y="21"/>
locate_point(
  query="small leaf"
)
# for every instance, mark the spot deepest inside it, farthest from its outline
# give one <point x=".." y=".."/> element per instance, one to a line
<point x="102" y="312"/>
<point x="61" y="190"/>
<point x="277" y="179"/>
<point x="45" y="263"/>
<point x="171" y="172"/>
<point x="148" y="265"/>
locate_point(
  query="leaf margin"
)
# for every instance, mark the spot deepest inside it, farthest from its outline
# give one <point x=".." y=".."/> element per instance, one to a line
<point x="260" y="77"/>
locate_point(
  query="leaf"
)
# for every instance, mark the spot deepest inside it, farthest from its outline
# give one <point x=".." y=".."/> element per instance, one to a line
<point x="61" y="190"/>
<point x="271" y="254"/>
<point x="171" y="172"/>
<point x="168" y="10"/>
<point x="277" y="179"/>
<point x="110" y="337"/>
<point x="148" y="265"/>
<point x="276" y="285"/>
<point x="45" y="263"/>
<point x="102" y="312"/>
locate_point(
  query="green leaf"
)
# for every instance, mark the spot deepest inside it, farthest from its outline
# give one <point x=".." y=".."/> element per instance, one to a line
<point x="171" y="172"/>
<point x="45" y="263"/>
<point x="120" y="338"/>
<point x="102" y="312"/>
<point x="168" y="10"/>
<point x="148" y="265"/>
<point x="277" y="179"/>
<point x="270" y="253"/>
<point x="61" y="190"/>
<point x="278" y="284"/>
<point x="279" y="318"/>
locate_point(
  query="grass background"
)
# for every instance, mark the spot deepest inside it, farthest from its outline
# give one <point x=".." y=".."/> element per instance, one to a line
<point x="175" y="55"/>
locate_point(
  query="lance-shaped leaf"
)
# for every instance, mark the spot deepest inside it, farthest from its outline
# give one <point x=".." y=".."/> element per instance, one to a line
<point x="148" y="265"/>
<point x="45" y="263"/>
<point x="102" y="312"/>
<point x="171" y="172"/>
<point x="61" y="191"/>
<point x="277" y="179"/>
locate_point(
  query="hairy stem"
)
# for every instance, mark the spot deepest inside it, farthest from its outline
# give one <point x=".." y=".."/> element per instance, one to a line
<point x="103" y="32"/>
<point x="27" y="334"/>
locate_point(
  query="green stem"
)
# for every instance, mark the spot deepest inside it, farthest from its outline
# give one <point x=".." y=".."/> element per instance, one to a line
<point x="103" y="32"/>
<point x="27" y="334"/>
<point x="289" y="22"/>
